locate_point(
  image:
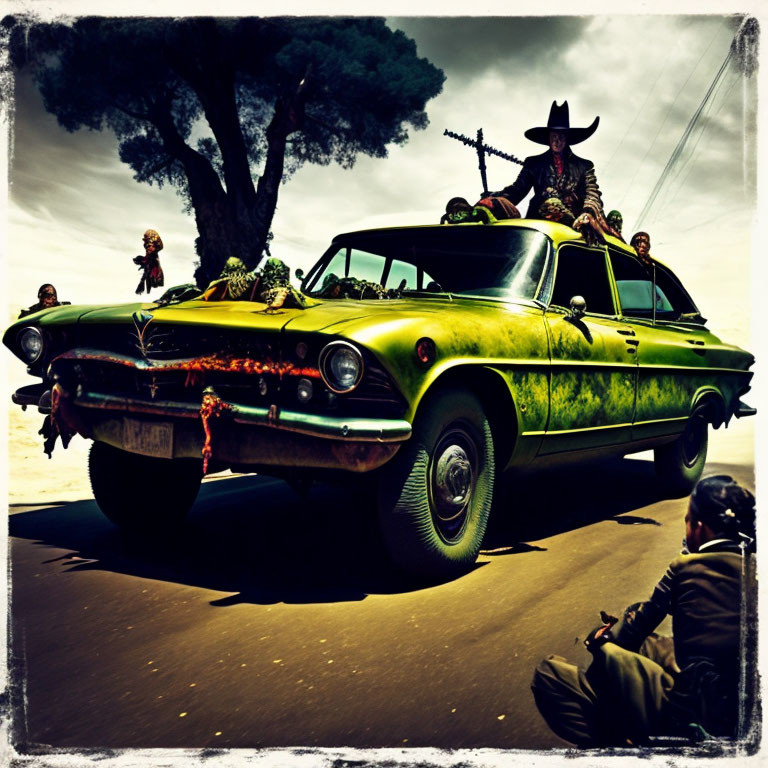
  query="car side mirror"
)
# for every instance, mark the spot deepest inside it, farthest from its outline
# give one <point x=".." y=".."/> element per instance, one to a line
<point x="578" y="307"/>
<point x="299" y="274"/>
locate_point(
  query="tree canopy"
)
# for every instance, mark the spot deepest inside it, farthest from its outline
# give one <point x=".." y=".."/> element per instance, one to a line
<point x="224" y="108"/>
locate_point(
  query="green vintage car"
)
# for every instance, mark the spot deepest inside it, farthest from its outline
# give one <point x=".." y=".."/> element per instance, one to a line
<point x="456" y="353"/>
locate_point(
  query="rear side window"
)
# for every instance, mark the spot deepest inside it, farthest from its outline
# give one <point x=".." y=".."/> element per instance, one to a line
<point x="673" y="289"/>
<point x="582" y="272"/>
<point x="635" y="284"/>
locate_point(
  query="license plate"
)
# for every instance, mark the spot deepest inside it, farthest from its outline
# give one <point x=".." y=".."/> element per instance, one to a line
<point x="148" y="438"/>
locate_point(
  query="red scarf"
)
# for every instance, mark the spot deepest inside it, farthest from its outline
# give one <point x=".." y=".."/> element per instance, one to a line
<point x="559" y="164"/>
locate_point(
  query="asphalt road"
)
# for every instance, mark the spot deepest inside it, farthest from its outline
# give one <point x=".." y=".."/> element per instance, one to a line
<point x="270" y="621"/>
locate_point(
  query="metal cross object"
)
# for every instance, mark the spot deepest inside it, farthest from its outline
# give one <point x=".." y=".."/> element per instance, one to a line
<point x="482" y="151"/>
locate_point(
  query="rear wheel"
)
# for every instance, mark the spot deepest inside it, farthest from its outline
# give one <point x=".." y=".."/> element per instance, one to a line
<point x="679" y="464"/>
<point x="435" y="496"/>
<point x="143" y="494"/>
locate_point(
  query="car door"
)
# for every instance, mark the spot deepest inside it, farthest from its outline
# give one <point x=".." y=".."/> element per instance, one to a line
<point x="593" y="359"/>
<point x="672" y="355"/>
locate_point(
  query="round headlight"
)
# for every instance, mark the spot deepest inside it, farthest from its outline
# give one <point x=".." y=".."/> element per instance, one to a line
<point x="31" y="343"/>
<point x="341" y="366"/>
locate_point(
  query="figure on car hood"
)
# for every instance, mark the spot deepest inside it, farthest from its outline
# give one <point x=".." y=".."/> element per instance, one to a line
<point x="271" y="285"/>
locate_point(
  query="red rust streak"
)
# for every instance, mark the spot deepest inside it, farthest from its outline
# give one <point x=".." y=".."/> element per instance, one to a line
<point x="212" y="407"/>
<point x="64" y="416"/>
<point x="230" y="364"/>
<point x="222" y="363"/>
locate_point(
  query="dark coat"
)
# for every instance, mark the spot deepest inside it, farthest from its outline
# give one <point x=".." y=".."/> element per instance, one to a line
<point x="577" y="187"/>
<point x="702" y="592"/>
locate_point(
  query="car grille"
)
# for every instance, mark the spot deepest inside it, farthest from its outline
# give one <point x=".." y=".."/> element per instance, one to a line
<point x="243" y="368"/>
<point x="173" y="342"/>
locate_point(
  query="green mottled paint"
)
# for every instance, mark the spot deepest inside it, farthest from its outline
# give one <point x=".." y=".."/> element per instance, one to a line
<point x="690" y="353"/>
<point x="592" y="381"/>
<point x="503" y="336"/>
<point x="664" y="396"/>
<point x="530" y="390"/>
<point x="593" y="374"/>
<point x="584" y="399"/>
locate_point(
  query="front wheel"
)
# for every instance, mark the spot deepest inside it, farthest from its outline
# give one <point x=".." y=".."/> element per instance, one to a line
<point x="435" y="496"/>
<point x="679" y="464"/>
<point x="142" y="494"/>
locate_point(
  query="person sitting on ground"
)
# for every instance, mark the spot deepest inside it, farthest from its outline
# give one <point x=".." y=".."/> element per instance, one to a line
<point x="46" y="298"/>
<point x="639" y="684"/>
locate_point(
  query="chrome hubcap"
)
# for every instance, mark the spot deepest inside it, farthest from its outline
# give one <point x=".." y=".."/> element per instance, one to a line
<point x="453" y="479"/>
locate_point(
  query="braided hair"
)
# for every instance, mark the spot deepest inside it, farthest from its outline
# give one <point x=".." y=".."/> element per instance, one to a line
<point x="726" y="507"/>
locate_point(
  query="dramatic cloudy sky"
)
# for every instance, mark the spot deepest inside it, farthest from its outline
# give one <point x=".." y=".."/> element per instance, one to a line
<point x="75" y="215"/>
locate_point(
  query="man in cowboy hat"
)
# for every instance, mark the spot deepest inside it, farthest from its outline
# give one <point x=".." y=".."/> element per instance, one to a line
<point x="564" y="185"/>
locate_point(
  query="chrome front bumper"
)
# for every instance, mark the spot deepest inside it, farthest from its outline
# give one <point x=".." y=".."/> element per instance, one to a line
<point x="354" y="429"/>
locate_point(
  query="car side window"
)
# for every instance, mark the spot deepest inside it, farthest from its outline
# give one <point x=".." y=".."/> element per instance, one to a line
<point x="399" y="271"/>
<point x="365" y="266"/>
<point x="674" y="291"/>
<point x="635" y="284"/>
<point x="582" y="272"/>
<point x="336" y="266"/>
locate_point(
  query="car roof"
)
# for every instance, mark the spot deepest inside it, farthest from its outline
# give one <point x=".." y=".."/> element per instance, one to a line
<point x="559" y="233"/>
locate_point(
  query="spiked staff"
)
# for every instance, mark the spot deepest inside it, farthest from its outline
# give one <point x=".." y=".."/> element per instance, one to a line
<point x="482" y="151"/>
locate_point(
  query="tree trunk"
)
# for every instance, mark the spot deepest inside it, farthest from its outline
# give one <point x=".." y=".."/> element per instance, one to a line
<point x="211" y="76"/>
<point x="209" y="200"/>
<point x="289" y="114"/>
<point x="220" y="109"/>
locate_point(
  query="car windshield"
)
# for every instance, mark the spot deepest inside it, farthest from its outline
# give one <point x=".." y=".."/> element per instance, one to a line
<point x="483" y="261"/>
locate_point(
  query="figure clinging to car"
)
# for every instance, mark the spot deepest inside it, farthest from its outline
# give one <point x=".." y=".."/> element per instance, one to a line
<point x="149" y="263"/>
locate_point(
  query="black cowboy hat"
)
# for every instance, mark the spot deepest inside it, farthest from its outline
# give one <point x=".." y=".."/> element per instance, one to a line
<point x="559" y="121"/>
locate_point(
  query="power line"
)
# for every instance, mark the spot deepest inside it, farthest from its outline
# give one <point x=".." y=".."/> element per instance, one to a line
<point x="666" y="117"/>
<point x="687" y="165"/>
<point x="681" y="144"/>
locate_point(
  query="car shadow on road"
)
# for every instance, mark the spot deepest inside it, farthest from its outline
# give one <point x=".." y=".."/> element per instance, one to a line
<point x="251" y="537"/>
<point x="532" y="507"/>
<point x="255" y="539"/>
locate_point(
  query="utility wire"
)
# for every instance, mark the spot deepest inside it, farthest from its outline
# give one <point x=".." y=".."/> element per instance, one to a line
<point x="681" y="144"/>
<point x="686" y="166"/>
<point x="664" y="122"/>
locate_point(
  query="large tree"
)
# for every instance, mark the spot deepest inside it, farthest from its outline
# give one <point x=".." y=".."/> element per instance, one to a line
<point x="223" y="108"/>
